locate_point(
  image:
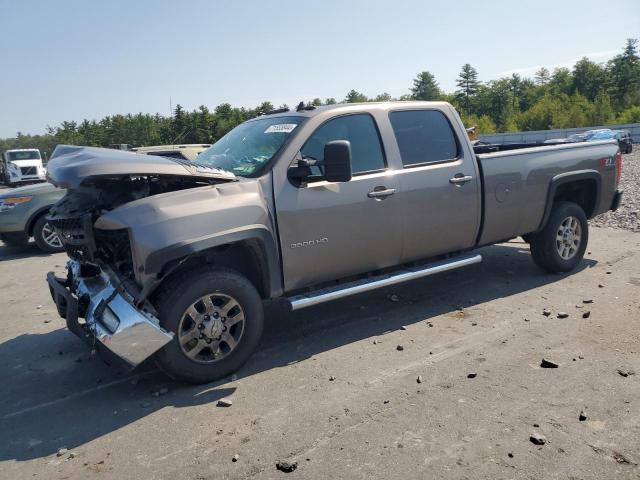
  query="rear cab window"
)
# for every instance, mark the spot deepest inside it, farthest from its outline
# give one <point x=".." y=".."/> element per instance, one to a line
<point x="424" y="136"/>
<point x="360" y="130"/>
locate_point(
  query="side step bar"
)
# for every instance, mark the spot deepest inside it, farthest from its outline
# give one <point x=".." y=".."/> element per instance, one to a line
<point x="353" y="288"/>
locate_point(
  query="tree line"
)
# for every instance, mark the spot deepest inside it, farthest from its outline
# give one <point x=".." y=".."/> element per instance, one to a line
<point x="588" y="94"/>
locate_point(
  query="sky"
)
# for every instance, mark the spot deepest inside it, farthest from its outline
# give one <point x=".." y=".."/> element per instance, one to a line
<point x="76" y="59"/>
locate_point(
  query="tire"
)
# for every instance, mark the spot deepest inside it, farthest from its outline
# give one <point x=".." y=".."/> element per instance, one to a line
<point x="184" y="293"/>
<point x="14" y="239"/>
<point x="45" y="237"/>
<point x="561" y="244"/>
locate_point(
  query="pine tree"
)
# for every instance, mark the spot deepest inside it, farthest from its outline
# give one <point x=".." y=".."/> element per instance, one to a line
<point x="468" y="85"/>
<point x="425" y="87"/>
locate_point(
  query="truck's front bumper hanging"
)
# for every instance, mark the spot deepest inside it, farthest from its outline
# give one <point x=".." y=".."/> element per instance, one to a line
<point x="111" y="320"/>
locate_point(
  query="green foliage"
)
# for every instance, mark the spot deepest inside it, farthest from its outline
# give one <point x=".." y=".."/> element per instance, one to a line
<point x="425" y="87"/>
<point x="468" y="85"/>
<point x="355" y="97"/>
<point x="630" y="115"/>
<point x="589" y="78"/>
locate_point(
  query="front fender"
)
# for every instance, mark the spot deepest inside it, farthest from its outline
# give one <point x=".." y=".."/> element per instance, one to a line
<point x="170" y="226"/>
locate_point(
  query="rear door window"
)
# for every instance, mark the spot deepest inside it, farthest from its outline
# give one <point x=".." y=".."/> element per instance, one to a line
<point x="424" y="136"/>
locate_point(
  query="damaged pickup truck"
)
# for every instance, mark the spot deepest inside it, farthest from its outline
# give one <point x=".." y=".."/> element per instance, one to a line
<point x="174" y="259"/>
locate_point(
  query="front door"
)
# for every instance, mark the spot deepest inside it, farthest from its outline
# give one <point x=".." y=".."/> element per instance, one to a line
<point x="334" y="230"/>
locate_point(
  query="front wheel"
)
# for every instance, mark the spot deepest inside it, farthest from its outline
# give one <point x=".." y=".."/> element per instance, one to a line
<point x="217" y="318"/>
<point x="561" y="244"/>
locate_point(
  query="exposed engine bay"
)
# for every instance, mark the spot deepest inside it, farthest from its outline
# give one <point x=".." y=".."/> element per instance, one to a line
<point x="73" y="217"/>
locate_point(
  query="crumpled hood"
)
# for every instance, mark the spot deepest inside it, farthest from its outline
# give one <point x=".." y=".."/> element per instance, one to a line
<point x="70" y="165"/>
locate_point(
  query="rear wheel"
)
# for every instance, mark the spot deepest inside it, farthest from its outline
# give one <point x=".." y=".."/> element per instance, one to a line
<point x="46" y="237"/>
<point x="561" y="244"/>
<point x="217" y="319"/>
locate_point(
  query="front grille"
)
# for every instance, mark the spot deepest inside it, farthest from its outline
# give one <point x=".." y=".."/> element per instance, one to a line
<point x="28" y="170"/>
<point x="113" y="247"/>
<point x="76" y="236"/>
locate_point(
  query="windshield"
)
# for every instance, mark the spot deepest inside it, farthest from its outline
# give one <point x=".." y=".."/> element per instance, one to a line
<point x="28" y="155"/>
<point x="602" y="135"/>
<point x="246" y="149"/>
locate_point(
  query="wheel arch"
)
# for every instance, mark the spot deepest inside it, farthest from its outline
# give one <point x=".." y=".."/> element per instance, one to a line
<point x="35" y="217"/>
<point x="253" y="253"/>
<point x="582" y="187"/>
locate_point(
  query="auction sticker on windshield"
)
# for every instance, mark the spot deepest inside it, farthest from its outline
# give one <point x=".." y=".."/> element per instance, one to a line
<point x="281" y="128"/>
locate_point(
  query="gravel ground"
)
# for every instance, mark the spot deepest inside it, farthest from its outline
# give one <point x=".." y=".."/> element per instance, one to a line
<point x="628" y="215"/>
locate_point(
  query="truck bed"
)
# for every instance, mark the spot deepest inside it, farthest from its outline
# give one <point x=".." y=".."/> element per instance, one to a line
<point x="516" y="184"/>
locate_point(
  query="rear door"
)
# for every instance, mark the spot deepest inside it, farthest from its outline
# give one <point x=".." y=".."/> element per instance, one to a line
<point x="439" y="184"/>
<point x="333" y="230"/>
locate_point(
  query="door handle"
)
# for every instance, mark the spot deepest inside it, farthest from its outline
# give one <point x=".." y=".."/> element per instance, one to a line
<point x="460" y="179"/>
<point x="381" y="192"/>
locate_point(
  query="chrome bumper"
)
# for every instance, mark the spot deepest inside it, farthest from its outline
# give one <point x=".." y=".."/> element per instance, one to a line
<point x="111" y="320"/>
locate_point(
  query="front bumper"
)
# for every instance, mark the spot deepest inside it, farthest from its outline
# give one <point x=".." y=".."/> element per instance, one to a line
<point x="112" y="322"/>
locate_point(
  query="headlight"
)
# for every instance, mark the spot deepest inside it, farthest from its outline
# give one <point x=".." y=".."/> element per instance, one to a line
<point x="9" y="202"/>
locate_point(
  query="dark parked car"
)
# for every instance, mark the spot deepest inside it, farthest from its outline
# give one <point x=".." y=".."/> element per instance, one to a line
<point x="624" y="140"/>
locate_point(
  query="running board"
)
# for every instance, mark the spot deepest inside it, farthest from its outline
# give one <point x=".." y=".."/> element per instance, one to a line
<point x="353" y="288"/>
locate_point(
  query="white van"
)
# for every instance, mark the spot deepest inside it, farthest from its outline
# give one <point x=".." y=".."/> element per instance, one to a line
<point x="22" y="166"/>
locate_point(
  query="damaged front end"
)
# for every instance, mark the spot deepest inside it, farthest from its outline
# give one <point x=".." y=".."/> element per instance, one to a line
<point x="101" y="286"/>
<point x="111" y="320"/>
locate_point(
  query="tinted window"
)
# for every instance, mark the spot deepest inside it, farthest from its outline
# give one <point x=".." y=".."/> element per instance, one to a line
<point x="360" y="130"/>
<point x="424" y="136"/>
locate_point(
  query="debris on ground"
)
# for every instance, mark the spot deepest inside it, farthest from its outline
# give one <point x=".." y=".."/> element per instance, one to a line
<point x="225" y="402"/>
<point x="429" y="324"/>
<point x="73" y="455"/>
<point x="546" y="312"/>
<point x="400" y="348"/>
<point x="563" y="314"/>
<point x="419" y="379"/>
<point x="472" y="375"/>
<point x="286" y="467"/>
<point x="587" y="300"/>
<point x="235" y="458"/>
<point x="537" y="438"/>
<point x="548" y="364"/>
<point x="601" y="285"/>
<point x="332" y="378"/>
<point x="47" y="320"/>
<point x="583" y="416"/>
<point x="61" y="452"/>
<point x="375" y="341"/>
<point x="403" y="327"/>
<point x="626" y="372"/>
<point x="510" y="455"/>
<point x="586" y="314"/>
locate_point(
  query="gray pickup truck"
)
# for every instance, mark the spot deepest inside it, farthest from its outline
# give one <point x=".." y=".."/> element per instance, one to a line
<point x="175" y="259"/>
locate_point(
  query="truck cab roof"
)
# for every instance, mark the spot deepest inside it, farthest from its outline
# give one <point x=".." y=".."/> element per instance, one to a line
<point x="352" y="107"/>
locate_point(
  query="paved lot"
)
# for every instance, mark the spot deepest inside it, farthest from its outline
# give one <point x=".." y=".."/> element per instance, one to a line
<point x="374" y="420"/>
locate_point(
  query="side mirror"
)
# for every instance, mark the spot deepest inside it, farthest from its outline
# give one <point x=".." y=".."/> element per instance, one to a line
<point x="337" y="161"/>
